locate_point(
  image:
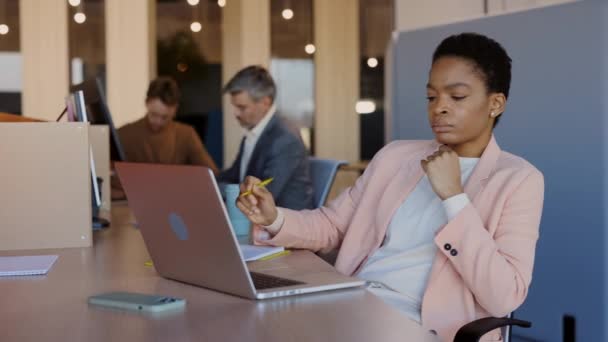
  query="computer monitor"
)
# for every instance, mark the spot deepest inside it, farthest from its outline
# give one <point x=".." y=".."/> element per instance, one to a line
<point x="99" y="114"/>
<point x="76" y="103"/>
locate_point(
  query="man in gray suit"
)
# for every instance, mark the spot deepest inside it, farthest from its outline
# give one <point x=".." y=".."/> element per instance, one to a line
<point x="269" y="148"/>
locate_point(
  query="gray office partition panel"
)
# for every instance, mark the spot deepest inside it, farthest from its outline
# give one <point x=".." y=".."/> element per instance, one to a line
<point x="556" y="118"/>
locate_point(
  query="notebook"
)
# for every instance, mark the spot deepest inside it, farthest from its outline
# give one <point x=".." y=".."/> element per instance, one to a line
<point x="26" y="265"/>
<point x="251" y="252"/>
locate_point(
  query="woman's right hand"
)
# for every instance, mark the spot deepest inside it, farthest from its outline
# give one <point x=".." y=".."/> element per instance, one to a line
<point x="259" y="206"/>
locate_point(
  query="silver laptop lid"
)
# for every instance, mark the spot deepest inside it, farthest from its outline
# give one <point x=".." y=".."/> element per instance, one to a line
<point x="185" y="226"/>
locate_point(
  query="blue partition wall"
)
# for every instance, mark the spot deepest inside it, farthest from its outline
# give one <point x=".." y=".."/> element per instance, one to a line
<point x="555" y="118"/>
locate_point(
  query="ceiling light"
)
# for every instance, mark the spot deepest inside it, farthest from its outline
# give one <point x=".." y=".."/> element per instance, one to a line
<point x="287" y="14"/>
<point x="221" y="3"/>
<point x="310" y="49"/>
<point x="4" y="29"/>
<point x="196" y="26"/>
<point x="80" y="17"/>
<point x="74" y="3"/>
<point x="372" y="62"/>
<point x="365" y="107"/>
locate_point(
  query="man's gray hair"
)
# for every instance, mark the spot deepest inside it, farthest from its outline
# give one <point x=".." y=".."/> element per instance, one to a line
<point x="255" y="80"/>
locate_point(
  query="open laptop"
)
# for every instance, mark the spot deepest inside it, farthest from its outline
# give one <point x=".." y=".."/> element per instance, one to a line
<point x="188" y="234"/>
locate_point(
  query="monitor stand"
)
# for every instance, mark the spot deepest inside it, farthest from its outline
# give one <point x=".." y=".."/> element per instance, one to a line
<point x="99" y="223"/>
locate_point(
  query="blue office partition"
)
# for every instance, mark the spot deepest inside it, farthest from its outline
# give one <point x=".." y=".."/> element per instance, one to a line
<point x="556" y="118"/>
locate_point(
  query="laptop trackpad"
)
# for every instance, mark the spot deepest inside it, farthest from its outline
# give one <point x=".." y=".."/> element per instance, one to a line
<point x="301" y="266"/>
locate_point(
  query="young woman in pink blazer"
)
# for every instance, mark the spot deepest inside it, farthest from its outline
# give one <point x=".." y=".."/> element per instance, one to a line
<point x="444" y="230"/>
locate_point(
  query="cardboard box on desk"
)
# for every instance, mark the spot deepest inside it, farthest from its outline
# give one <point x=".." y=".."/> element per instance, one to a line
<point x="45" y="186"/>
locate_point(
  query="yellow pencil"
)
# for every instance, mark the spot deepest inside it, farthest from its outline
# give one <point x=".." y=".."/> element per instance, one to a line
<point x="262" y="183"/>
<point x="275" y="255"/>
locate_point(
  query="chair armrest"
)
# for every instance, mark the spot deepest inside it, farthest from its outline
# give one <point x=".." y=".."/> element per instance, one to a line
<point x="473" y="331"/>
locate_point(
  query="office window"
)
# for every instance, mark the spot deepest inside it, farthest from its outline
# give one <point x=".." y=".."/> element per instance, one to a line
<point x="10" y="58"/>
<point x="189" y="49"/>
<point x="375" y="27"/>
<point x="87" y="43"/>
<point x="292" y="63"/>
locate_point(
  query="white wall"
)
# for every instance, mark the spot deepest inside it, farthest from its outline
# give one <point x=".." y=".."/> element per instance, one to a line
<point x="500" y="6"/>
<point x="415" y="14"/>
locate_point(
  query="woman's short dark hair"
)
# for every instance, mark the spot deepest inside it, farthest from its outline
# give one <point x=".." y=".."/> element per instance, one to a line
<point x="489" y="57"/>
<point x="165" y="89"/>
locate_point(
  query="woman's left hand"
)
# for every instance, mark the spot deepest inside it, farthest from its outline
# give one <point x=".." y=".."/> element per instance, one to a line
<point x="443" y="171"/>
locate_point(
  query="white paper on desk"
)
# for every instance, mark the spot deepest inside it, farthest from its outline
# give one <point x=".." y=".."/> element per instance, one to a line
<point x="26" y="265"/>
<point x="251" y="252"/>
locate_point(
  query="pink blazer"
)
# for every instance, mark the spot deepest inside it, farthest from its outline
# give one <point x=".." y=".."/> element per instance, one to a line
<point x="485" y="254"/>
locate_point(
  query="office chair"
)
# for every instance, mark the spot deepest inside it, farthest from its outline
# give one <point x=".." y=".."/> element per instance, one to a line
<point x="473" y="331"/>
<point x="323" y="172"/>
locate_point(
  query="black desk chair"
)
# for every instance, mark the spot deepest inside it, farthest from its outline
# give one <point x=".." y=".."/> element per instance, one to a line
<point x="473" y="331"/>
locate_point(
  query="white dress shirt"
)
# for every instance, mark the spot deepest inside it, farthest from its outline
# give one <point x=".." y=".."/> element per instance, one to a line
<point x="251" y="139"/>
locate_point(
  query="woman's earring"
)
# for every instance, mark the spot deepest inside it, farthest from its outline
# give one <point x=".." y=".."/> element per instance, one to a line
<point x="493" y="114"/>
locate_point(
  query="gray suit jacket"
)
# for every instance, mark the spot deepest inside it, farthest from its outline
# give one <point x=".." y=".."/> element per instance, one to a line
<point x="279" y="153"/>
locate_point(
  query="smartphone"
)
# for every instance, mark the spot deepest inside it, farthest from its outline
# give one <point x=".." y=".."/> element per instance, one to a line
<point x="138" y="302"/>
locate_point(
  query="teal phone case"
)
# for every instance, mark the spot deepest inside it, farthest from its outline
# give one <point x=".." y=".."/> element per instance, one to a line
<point x="138" y="302"/>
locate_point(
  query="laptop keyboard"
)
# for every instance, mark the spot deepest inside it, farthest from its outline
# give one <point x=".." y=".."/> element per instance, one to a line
<point x="265" y="281"/>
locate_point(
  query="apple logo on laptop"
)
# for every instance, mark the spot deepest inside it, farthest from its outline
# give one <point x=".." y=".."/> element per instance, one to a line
<point x="178" y="226"/>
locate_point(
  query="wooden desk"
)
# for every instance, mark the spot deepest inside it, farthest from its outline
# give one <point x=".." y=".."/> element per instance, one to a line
<point x="54" y="307"/>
